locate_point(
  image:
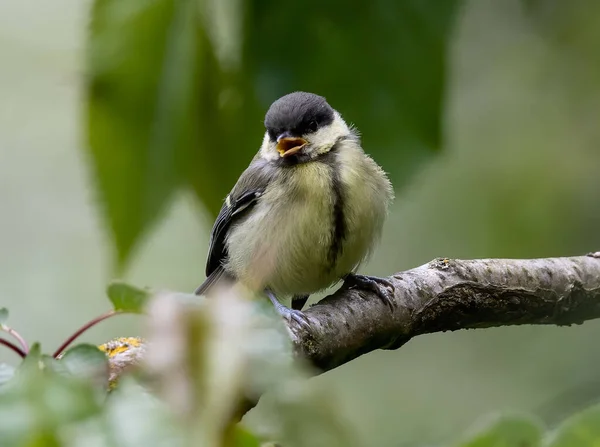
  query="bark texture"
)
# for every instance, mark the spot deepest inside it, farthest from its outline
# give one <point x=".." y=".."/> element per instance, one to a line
<point x="447" y="295"/>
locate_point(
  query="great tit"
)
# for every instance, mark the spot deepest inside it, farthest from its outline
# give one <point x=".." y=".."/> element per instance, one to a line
<point x="305" y="213"/>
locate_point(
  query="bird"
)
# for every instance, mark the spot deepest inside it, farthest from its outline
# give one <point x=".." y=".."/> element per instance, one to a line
<point x="306" y="213"/>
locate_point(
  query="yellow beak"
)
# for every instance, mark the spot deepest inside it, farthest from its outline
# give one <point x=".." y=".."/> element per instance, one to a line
<point x="290" y="146"/>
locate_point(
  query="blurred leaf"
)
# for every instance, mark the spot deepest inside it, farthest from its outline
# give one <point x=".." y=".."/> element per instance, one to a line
<point x="3" y="315"/>
<point x="243" y="438"/>
<point x="138" y="419"/>
<point x="229" y="121"/>
<point x="38" y="401"/>
<point x="127" y="298"/>
<point x="382" y="64"/>
<point x="6" y="372"/>
<point x="92" y="432"/>
<point x="87" y="362"/>
<point x="572" y="30"/>
<point x="201" y="387"/>
<point x="44" y="440"/>
<point x="505" y="431"/>
<point x="569" y="401"/>
<point x="131" y="417"/>
<point x="48" y="362"/>
<point x="142" y="101"/>
<point x="222" y="351"/>
<point x="306" y="415"/>
<point x="32" y="360"/>
<point x="581" y="430"/>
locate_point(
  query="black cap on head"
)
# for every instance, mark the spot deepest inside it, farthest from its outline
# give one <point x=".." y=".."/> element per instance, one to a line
<point x="298" y="114"/>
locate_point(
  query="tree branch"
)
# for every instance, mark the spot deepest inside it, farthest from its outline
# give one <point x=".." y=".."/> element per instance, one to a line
<point x="447" y="295"/>
<point x="443" y="295"/>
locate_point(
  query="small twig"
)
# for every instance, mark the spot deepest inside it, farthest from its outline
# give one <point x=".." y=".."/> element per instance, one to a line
<point x="14" y="347"/>
<point x="17" y="336"/>
<point x="84" y="328"/>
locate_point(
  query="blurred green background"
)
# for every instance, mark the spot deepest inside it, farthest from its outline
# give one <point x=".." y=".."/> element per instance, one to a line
<point x="512" y="170"/>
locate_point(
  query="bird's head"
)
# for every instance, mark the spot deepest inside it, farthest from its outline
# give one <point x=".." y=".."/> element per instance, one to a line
<point x="300" y="127"/>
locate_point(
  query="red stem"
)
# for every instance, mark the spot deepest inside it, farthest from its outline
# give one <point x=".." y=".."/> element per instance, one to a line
<point x="82" y="329"/>
<point x="12" y="346"/>
<point x="17" y="336"/>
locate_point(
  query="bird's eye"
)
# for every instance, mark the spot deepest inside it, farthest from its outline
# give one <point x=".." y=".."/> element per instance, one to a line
<point x="313" y="126"/>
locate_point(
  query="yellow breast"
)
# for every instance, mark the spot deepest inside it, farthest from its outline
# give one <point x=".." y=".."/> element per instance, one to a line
<point x="285" y="241"/>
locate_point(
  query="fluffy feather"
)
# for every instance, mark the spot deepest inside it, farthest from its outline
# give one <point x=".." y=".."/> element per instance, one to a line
<point x="284" y="243"/>
<point x="296" y="225"/>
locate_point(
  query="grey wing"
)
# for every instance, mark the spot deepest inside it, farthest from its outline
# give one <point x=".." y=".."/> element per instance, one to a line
<point x="230" y="212"/>
<point x="232" y="209"/>
<point x="245" y="194"/>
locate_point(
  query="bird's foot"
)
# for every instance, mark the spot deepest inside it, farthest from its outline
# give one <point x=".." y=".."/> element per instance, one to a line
<point x="292" y="314"/>
<point x="382" y="287"/>
<point x="286" y="312"/>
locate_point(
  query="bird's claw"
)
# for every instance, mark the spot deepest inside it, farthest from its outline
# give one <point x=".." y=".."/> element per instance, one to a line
<point x="287" y="313"/>
<point x="382" y="287"/>
<point x="292" y="314"/>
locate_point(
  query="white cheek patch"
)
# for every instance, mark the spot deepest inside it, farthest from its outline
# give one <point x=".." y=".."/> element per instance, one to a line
<point x="268" y="150"/>
<point x="323" y="139"/>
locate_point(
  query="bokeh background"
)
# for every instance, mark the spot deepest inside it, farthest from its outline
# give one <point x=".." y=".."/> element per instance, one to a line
<point x="516" y="173"/>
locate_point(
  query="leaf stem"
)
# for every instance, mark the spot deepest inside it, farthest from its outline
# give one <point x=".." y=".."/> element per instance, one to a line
<point x="82" y="329"/>
<point x="17" y="336"/>
<point x="12" y="346"/>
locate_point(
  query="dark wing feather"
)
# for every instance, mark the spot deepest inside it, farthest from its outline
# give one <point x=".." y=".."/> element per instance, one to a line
<point x="212" y="279"/>
<point x="216" y="246"/>
<point x="217" y="251"/>
<point x="245" y="194"/>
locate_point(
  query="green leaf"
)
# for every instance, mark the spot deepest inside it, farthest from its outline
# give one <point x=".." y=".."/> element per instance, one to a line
<point x="136" y="418"/>
<point x="32" y="360"/>
<point x="382" y="64"/>
<point x="127" y="298"/>
<point x="86" y="361"/>
<point x="141" y="104"/>
<point x="581" y="430"/>
<point x="6" y="372"/>
<point x="38" y="401"/>
<point x="44" y="439"/>
<point x="505" y="431"/>
<point x="243" y="438"/>
<point x="3" y="315"/>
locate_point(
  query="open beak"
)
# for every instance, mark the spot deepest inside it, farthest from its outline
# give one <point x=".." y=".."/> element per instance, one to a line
<point x="289" y="146"/>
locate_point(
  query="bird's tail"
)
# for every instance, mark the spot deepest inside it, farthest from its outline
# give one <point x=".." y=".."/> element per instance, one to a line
<point x="212" y="279"/>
